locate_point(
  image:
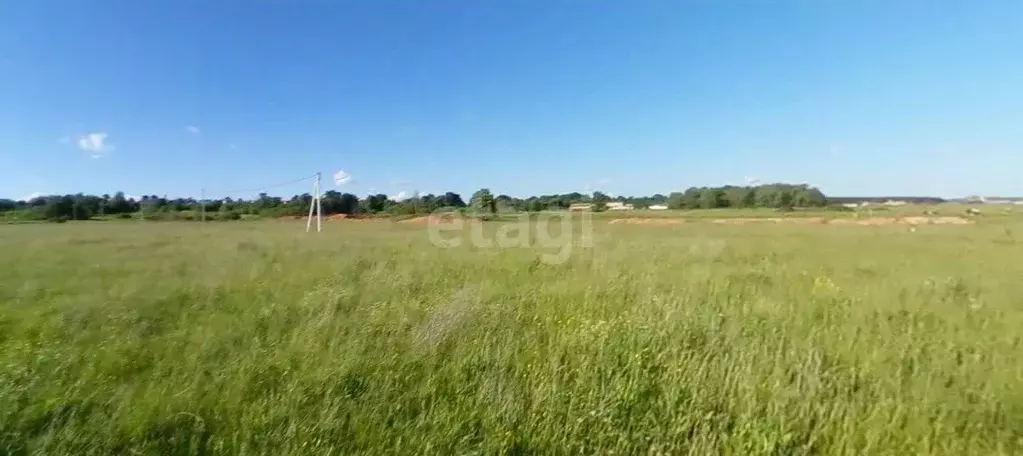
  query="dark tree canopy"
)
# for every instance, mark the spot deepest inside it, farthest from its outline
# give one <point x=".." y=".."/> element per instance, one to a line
<point x="483" y="201"/>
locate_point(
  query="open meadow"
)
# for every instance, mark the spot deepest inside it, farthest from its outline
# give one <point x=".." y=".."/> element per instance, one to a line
<point x="696" y="338"/>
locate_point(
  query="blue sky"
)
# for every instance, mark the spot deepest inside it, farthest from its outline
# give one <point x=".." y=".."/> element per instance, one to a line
<point x="864" y="97"/>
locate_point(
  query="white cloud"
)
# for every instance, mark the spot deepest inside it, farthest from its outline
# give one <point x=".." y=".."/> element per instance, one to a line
<point x="95" y="144"/>
<point x="193" y="129"/>
<point x="31" y="196"/>
<point x="403" y="195"/>
<point x="341" y="178"/>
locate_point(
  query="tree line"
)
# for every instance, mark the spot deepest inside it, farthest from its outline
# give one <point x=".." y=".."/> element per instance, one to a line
<point x="152" y="207"/>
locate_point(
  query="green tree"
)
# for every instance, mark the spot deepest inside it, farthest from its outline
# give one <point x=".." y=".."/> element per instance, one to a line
<point x="507" y="203"/>
<point x="119" y="204"/>
<point x="810" y="197"/>
<point x="483" y="202"/>
<point x="676" y="200"/>
<point x="348" y="204"/>
<point x="712" y="198"/>
<point x="767" y="196"/>
<point x="749" y="197"/>
<point x="330" y="202"/>
<point x="691" y="198"/>
<point x="374" y="204"/>
<point x="599" y="201"/>
<point x="59" y="207"/>
<point x="535" y="205"/>
<point x="451" y="199"/>
<point x="785" y="199"/>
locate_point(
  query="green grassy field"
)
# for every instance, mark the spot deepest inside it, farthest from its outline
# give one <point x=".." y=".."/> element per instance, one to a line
<point x="259" y="338"/>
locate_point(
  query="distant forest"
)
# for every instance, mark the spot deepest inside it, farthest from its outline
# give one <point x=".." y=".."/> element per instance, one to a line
<point x="152" y="207"/>
<point x="881" y="199"/>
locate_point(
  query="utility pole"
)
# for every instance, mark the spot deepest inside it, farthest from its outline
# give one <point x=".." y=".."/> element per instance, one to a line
<point x="319" y="208"/>
<point x="202" y="204"/>
<point x="314" y="205"/>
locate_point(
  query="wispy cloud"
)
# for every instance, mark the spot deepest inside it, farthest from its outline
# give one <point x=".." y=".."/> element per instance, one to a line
<point x="403" y="195"/>
<point x="342" y="177"/>
<point x="193" y="129"/>
<point x="32" y="196"/>
<point x="600" y="185"/>
<point x="95" y="144"/>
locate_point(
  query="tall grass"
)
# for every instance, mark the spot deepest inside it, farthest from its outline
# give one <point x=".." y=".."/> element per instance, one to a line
<point x="257" y="338"/>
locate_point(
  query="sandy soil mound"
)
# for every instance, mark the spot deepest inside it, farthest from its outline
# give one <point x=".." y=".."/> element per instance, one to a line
<point x="944" y="220"/>
<point x="416" y="220"/>
<point x="743" y="221"/>
<point x="648" y="221"/>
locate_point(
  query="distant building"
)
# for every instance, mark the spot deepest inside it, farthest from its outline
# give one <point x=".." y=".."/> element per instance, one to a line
<point x="611" y="206"/>
<point x="658" y="207"/>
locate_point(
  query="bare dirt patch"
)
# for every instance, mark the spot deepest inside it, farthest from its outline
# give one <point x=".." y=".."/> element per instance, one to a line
<point x="333" y="218"/>
<point x="438" y="218"/>
<point x="795" y="220"/>
<point x="648" y="221"/>
<point x="792" y="220"/>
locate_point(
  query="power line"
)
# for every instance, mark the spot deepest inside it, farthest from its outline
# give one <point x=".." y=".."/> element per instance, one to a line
<point x="254" y="190"/>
